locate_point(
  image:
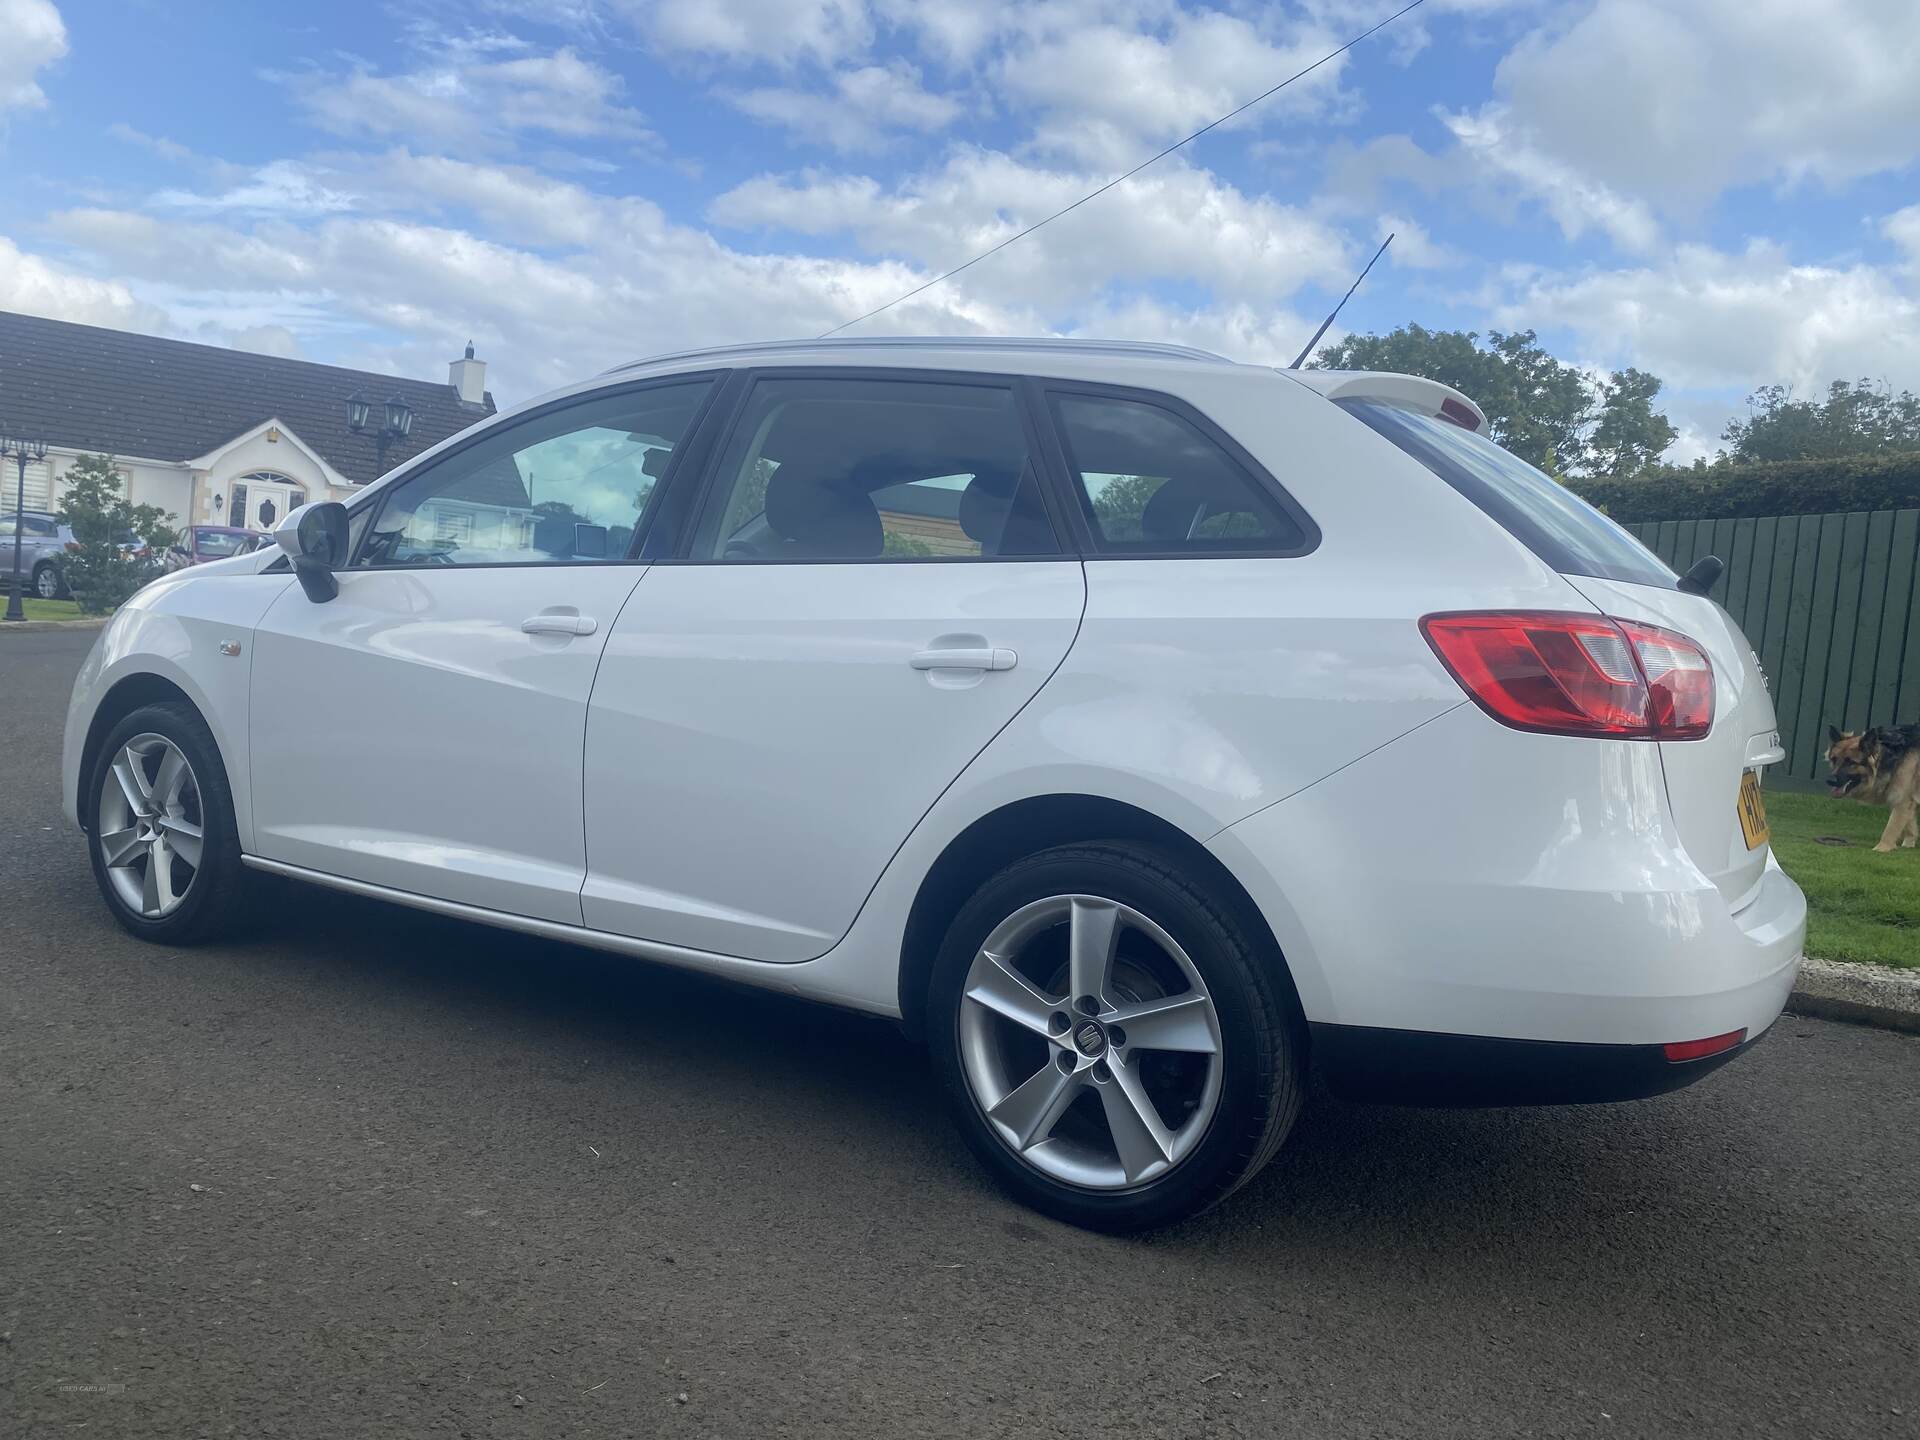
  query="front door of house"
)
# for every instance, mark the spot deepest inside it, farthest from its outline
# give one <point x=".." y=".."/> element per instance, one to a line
<point x="259" y="503"/>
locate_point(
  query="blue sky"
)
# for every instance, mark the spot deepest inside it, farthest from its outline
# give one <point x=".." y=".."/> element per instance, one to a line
<point x="1721" y="191"/>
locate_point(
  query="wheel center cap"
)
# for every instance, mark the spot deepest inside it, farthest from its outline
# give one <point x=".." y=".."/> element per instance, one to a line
<point x="1089" y="1038"/>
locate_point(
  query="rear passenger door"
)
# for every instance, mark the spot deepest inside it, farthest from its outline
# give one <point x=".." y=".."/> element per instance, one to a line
<point x="869" y="587"/>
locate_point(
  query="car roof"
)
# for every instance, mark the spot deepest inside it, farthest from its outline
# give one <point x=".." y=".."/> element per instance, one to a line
<point x="932" y="347"/>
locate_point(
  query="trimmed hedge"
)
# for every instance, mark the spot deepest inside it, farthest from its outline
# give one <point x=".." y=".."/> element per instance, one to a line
<point x="1779" y="487"/>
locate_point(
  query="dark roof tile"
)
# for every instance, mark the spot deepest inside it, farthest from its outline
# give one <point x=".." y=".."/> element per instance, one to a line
<point x="86" y="388"/>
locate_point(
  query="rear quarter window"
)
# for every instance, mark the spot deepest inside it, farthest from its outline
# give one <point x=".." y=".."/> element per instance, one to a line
<point x="1545" y="516"/>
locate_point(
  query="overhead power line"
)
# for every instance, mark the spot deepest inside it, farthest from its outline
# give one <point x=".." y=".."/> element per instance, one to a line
<point x="1118" y="179"/>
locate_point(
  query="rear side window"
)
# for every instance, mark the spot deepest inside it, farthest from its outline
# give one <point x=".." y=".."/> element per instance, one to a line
<point x="1549" y="519"/>
<point x="1152" y="482"/>
<point x="850" y="468"/>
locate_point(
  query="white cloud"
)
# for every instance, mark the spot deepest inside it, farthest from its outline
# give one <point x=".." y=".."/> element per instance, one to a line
<point x="779" y="31"/>
<point x="1413" y="248"/>
<point x="472" y="102"/>
<point x="1677" y="100"/>
<point x="166" y="149"/>
<point x="36" y="286"/>
<point x="276" y="340"/>
<point x="1577" y="202"/>
<point x="1102" y="90"/>
<point x="283" y="188"/>
<point x="1171" y="222"/>
<point x="1704" y="318"/>
<point x="865" y="107"/>
<point x="34" y="37"/>
<point x="1903" y="228"/>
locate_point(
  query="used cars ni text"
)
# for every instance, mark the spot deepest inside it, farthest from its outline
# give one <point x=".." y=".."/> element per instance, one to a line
<point x="1132" y="724"/>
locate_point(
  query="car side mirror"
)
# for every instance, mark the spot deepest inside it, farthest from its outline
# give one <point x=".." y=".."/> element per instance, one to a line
<point x="314" y="540"/>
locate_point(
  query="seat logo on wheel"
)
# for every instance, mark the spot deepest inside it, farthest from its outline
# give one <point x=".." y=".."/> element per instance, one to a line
<point x="1090" y="1038"/>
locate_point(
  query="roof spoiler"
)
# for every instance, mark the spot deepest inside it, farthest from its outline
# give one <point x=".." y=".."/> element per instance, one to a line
<point x="1410" y="392"/>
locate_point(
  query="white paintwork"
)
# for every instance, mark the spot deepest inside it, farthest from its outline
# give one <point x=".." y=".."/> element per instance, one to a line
<point x="787" y="696"/>
<point x="465" y="782"/>
<point x="1410" y="392"/>
<point x="1703" y="776"/>
<point x="1472" y="879"/>
<point x="767" y="776"/>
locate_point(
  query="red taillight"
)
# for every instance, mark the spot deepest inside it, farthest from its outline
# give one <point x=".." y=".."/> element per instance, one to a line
<point x="1699" y="1049"/>
<point x="74" y="546"/>
<point x="1578" y="674"/>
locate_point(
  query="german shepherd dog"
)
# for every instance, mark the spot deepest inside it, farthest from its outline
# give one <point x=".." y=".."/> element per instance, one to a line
<point x="1880" y="767"/>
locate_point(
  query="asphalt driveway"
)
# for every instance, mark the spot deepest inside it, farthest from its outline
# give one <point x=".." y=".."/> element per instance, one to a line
<point x="375" y="1173"/>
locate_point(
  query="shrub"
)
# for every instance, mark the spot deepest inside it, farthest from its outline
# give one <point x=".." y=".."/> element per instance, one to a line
<point x="99" y="572"/>
<point x="1781" y="487"/>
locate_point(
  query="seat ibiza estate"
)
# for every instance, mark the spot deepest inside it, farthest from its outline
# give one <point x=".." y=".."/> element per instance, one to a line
<point x="1136" y="726"/>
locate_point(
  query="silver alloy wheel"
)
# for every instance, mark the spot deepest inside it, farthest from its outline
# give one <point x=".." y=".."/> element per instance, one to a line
<point x="1126" y="1018"/>
<point x="46" y="584"/>
<point x="150" y="825"/>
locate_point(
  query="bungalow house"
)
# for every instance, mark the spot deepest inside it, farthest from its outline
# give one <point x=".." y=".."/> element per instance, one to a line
<point x="212" y="436"/>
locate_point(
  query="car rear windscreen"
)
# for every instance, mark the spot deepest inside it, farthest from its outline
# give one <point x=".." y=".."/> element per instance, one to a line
<point x="1546" y="517"/>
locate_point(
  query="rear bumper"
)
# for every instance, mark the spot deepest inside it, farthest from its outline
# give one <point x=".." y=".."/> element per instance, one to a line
<point x="1472" y="881"/>
<point x="1417" y="1067"/>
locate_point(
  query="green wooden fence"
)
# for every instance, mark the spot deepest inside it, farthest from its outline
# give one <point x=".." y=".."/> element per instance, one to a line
<point x="1831" y="604"/>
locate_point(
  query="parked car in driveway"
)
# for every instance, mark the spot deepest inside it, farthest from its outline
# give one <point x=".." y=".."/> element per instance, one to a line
<point x="1134" y="725"/>
<point x="199" y="544"/>
<point x="43" y="551"/>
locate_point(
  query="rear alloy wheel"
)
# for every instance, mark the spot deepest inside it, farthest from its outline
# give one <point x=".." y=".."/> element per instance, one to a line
<point x="1116" y="1047"/>
<point x="46" y="582"/>
<point x="159" y="820"/>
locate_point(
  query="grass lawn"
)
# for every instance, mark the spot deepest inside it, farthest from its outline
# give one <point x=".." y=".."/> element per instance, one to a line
<point x="38" y="609"/>
<point x="1860" y="906"/>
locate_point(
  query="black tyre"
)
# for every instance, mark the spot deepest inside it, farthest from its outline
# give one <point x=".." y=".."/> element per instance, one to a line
<point x="48" y="582"/>
<point x="160" y="831"/>
<point x="1116" y="1046"/>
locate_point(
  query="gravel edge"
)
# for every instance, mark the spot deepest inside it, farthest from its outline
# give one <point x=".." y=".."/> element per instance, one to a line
<point x="1863" y="994"/>
<point x="30" y="627"/>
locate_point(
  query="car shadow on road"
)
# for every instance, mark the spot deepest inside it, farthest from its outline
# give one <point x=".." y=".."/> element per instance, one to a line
<point x="1353" y="1179"/>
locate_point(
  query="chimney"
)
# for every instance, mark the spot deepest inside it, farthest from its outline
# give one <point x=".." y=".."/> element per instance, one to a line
<point x="469" y="376"/>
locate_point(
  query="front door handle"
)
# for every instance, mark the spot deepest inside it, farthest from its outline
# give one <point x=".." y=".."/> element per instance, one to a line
<point x="559" y="624"/>
<point x="980" y="657"/>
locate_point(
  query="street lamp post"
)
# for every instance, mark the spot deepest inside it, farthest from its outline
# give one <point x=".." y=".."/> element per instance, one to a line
<point x="398" y="420"/>
<point x="20" y="452"/>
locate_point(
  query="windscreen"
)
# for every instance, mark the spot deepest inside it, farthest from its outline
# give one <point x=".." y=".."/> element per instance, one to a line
<point x="1546" y="517"/>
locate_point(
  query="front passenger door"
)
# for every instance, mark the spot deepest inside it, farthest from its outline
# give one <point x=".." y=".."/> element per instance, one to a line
<point x="423" y="730"/>
<point x="875" y="588"/>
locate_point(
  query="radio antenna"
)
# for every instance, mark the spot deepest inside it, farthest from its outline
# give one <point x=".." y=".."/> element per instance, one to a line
<point x="1118" y="179"/>
<point x="1301" y="358"/>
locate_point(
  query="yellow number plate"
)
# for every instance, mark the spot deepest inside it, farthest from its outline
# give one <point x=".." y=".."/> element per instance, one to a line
<point x="1753" y="811"/>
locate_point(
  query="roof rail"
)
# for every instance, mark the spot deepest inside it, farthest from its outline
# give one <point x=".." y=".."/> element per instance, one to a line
<point x="1035" y="343"/>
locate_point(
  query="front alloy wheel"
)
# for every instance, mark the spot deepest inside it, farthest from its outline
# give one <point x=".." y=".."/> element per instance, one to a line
<point x="159" y="815"/>
<point x="151" y="826"/>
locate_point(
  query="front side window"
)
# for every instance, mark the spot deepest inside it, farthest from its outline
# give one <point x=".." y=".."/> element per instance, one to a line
<point x="854" y="469"/>
<point x="566" y="487"/>
<point x="1546" y="517"/>
<point x="1152" y="482"/>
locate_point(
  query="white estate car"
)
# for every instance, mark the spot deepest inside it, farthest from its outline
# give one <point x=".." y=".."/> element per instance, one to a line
<point x="1135" y="725"/>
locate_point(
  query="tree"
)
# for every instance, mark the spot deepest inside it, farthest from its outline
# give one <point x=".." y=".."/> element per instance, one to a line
<point x="102" y="570"/>
<point x="1549" y="413"/>
<point x="1855" y="418"/>
<point x="1630" y="434"/>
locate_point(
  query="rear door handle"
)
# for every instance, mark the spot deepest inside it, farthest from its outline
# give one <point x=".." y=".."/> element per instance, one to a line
<point x="550" y="624"/>
<point x="964" y="658"/>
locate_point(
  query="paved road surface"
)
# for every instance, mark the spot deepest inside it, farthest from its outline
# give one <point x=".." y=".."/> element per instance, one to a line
<point x="378" y="1174"/>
